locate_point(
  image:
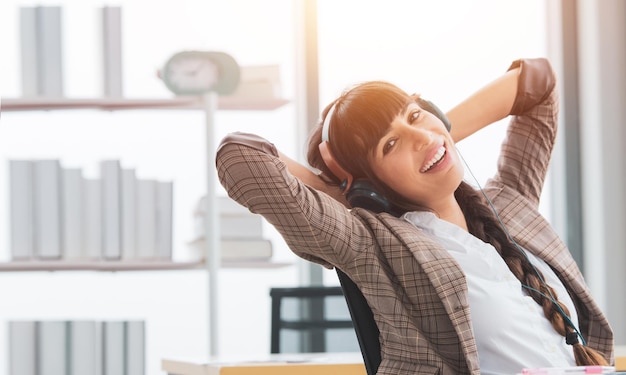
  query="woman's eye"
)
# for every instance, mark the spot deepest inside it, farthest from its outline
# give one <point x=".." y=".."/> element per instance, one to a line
<point x="388" y="146"/>
<point x="414" y="116"/>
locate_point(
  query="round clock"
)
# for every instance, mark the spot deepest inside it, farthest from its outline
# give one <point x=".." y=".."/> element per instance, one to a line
<point x="199" y="72"/>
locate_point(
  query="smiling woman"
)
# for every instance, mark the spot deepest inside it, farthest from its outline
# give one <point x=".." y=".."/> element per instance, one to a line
<point x="427" y="261"/>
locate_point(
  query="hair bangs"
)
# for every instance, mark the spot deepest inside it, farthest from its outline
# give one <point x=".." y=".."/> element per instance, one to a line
<point x="365" y="114"/>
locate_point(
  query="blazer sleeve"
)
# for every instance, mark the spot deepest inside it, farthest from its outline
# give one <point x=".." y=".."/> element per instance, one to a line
<point x="527" y="149"/>
<point x="314" y="225"/>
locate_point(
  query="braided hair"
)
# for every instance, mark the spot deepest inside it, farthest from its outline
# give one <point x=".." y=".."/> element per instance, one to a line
<point x="483" y="224"/>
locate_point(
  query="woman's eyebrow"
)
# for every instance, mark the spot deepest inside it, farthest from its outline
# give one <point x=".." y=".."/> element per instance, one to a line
<point x="406" y="106"/>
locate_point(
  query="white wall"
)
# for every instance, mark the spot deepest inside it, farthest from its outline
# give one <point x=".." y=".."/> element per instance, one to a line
<point x="602" y="58"/>
<point x="443" y="49"/>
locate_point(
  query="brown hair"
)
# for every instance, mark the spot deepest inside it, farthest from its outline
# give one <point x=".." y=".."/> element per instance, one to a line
<point x="361" y="116"/>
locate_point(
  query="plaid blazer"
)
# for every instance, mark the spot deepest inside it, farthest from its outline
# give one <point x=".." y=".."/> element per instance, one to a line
<point x="416" y="290"/>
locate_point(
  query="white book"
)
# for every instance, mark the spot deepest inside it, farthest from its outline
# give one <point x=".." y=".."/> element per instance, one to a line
<point x="256" y="73"/>
<point x="112" y="51"/>
<point x="72" y="212"/>
<point x="29" y="51"/>
<point x="111" y="177"/>
<point x="135" y="347"/>
<point x="92" y="205"/>
<point x="99" y="346"/>
<point x="21" y="202"/>
<point x="248" y="226"/>
<point x="47" y="189"/>
<point x="236" y="221"/>
<point x="227" y="206"/>
<point x="52" y="347"/>
<point x="165" y="197"/>
<point x="113" y="347"/>
<point x="146" y="219"/>
<point x="50" y="54"/>
<point x="238" y="249"/>
<point x="129" y="214"/>
<point x="259" y="81"/>
<point x="260" y="249"/>
<point x="22" y="347"/>
<point x="83" y="347"/>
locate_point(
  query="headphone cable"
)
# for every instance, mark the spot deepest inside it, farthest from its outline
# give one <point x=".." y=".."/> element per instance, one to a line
<point x="518" y="247"/>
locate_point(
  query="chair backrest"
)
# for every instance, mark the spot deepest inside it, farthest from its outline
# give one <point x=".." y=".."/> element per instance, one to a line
<point x="364" y="324"/>
<point x="315" y="322"/>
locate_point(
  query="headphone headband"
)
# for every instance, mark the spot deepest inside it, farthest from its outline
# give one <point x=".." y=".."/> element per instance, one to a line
<point x="328" y="157"/>
<point x="326" y="126"/>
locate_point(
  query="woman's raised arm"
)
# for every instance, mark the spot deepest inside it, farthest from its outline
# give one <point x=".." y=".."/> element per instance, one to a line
<point x="489" y="104"/>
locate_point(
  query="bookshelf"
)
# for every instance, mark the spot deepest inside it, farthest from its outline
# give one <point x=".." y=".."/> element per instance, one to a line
<point x="120" y="266"/>
<point x="209" y="104"/>
<point x="110" y="104"/>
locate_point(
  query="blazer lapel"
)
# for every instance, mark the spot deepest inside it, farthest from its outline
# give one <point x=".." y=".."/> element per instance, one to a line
<point x="448" y="281"/>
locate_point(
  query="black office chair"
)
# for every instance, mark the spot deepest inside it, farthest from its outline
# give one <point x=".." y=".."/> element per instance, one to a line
<point x="364" y="324"/>
<point x="315" y="323"/>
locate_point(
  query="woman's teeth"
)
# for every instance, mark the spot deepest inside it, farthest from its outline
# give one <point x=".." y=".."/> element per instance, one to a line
<point x="436" y="158"/>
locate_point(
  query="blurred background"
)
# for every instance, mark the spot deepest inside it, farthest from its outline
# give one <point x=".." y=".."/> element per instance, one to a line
<point x="442" y="49"/>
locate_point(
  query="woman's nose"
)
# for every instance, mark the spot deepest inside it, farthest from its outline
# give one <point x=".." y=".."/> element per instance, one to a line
<point x="421" y="138"/>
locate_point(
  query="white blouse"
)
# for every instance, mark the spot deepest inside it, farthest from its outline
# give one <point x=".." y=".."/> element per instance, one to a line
<point x="510" y="328"/>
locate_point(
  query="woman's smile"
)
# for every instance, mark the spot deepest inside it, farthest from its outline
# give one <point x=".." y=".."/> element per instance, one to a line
<point x="435" y="160"/>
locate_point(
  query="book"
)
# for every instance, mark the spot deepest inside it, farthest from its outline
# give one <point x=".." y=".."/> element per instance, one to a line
<point x="113" y="347"/>
<point x="21" y="209"/>
<point x="72" y="212"/>
<point x="226" y="206"/>
<point x="135" y="347"/>
<point x="51" y="51"/>
<point x="249" y="226"/>
<point x="22" y="347"/>
<point x="111" y="177"/>
<point x="47" y="203"/>
<point x="146" y="218"/>
<point x="92" y="206"/>
<point x="259" y="81"/>
<point x="112" y="51"/>
<point x="129" y="213"/>
<point x="236" y="221"/>
<point x="237" y="250"/>
<point x="164" y="212"/>
<point x="29" y="52"/>
<point x="84" y="350"/>
<point x="233" y="250"/>
<point x="52" y="347"/>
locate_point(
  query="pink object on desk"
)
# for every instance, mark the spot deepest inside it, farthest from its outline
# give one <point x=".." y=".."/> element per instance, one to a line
<point x="569" y="370"/>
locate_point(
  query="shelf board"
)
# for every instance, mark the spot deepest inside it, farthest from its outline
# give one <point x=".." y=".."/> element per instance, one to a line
<point x="111" y="266"/>
<point x="113" y="104"/>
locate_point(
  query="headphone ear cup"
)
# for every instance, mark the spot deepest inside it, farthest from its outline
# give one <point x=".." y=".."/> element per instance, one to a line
<point x="363" y="194"/>
<point x="432" y="108"/>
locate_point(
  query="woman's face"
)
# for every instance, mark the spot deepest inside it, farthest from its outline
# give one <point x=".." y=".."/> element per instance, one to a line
<point x="417" y="158"/>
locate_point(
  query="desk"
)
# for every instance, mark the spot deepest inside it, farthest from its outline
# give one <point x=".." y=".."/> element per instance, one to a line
<point x="275" y="364"/>
<point x="295" y="364"/>
<point x="620" y="357"/>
